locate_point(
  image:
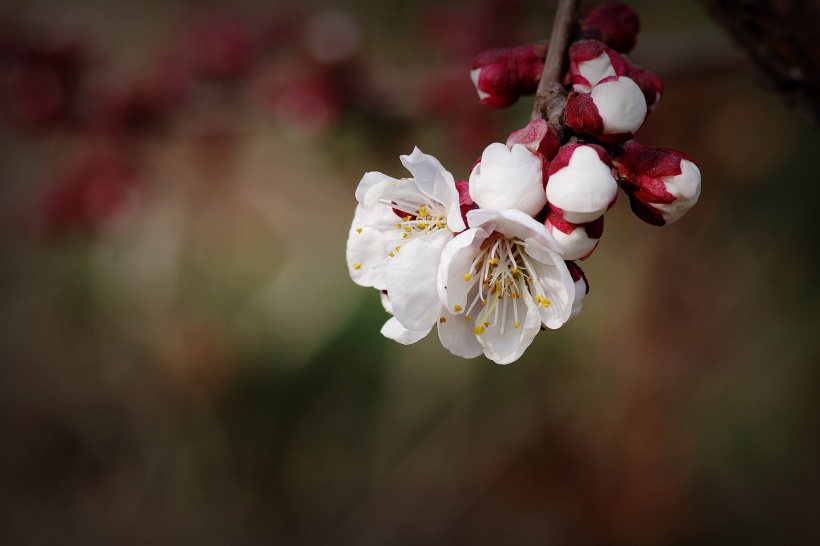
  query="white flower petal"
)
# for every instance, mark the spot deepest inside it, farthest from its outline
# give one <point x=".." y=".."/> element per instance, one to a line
<point x="594" y="70"/>
<point x="556" y="282"/>
<point x="368" y="243"/>
<point x="509" y="178"/>
<point x="685" y="187"/>
<point x="504" y="343"/>
<point x="411" y="278"/>
<point x="576" y="244"/>
<point x="437" y="183"/>
<point x="457" y="335"/>
<point x="584" y="188"/>
<point x="456" y="260"/>
<point x="393" y="329"/>
<point x="386" y="302"/>
<point x="620" y="104"/>
<point x="512" y="223"/>
<point x="369" y="180"/>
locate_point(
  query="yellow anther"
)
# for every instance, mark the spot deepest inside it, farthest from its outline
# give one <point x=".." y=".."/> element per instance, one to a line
<point x="493" y="261"/>
<point x="537" y="298"/>
<point x="514" y="270"/>
<point x="483" y="303"/>
<point x="423" y="226"/>
<point x="398" y="248"/>
<point x="487" y="324"/>
<point x="408" y="229"/>
<point x="422" y="211"/>
<point x="442" y="319"/>
<point x="398" y="226"/>
<point x="456" y="308"/>
<point x="468" y="318"/>
<point x="518" y="325"/>
<point x="440" y="224"/>
<point x="405" y="236"/>
<point x="545" y="302"/>
<point x="358" y="230"/>
<point x="390" y="254"/>
<point x="467" y="276"/>
<point x="478" y="330"/>
<point x="357" y="266"/>
<point x="407" y="218"/>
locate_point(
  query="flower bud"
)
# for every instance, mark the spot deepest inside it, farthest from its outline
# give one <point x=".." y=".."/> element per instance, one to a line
<point x="650" y="84"/>
<point x="662" y="184"/>
<point x="590" y="61"/>
<point x="612" y="112"/>
<point x="613" y="23"/>
<point x="501" y="76"/>
<point x="509" y="178"/>
<point x="581" y="288"/>
<point x="581" y="186"/>
<point x="577" y="241"/>
<point x="538" y="136"/>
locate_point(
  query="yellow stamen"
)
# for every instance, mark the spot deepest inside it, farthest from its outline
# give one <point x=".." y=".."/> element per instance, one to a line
<point x="390" y="254"/>
<point x="514" y="270"/>
<point x="518" y="325"/>
<point x="398" y="248"/>
<point x="358" y="230"/>
<point x="467" y="318"/>
<point x="407" y="229"/>
<point x="407" y="218"/>
<point x="357" y="266"/>
<point x="398" y="226"/>
<point x="493" y="261"/>
<point x="483" y="303"/>
<point x="442" y="319"/>
<point x="478" y="330"/>
<point x="467" y="276"/>
<point x="457" y="308"/>
<point x="545" y="302"/>
<point x="405" y="236"/>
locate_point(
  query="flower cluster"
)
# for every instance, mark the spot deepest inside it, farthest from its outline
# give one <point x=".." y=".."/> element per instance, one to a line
<point x="490" y="261"/>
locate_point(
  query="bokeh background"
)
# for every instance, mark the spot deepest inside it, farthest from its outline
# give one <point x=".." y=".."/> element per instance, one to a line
<point x="184" y="358"/>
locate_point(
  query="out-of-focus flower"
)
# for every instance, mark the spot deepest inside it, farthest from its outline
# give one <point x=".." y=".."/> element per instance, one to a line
<point x="612" y="112"/>
<point x="509" y="178"/>
<point x="398" y="233"/>
<point x="581" y="186"/>
<point x="615" y="24"/>
<point x="590" y="61"/>
<point x="662" y="184"/>
<point x="501" y="76"/>
<point x="500" y="281"/>
<point x="333" y="36"/>
<point x="219" y="47"/>
<point x="87" y="196"/>
<point x="576" y="241"/>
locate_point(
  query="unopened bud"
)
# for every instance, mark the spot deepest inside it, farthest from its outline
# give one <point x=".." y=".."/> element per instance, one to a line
<point x="501" y="76"/>
<point x="581" y="186"/>
<point x="662" y="184"/>
<point x="577" y="241"/>
<point x="612" y="112"/>
<point x="613" y="23"/>
<point x="590" y="61"/>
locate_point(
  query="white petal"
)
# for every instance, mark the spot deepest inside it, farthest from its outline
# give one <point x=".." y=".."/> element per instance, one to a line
<point x="620" y="104"/>
<point x="555" y="279"/>
<point x="456" y="259"/>
<point x="574" y="245"/>
<point x="392" y="190"/>
<point x="435" y="182"/>
<point x="502" y="341"/>
<point x="369" y="180"/>
<point x="367" y="249"/>
<point x="393" y="329"/>
<point x="685" y="187"/>
<point x="386" y="302"/>
<point x="584" y="188"/>
<point x="512" y="223"/>
<point x="509" y="179"/>
<point x="595" y="70"/>
<point x="411" y="280"/>
<point x="457" y="335"/>
<point x="578" y="302"/>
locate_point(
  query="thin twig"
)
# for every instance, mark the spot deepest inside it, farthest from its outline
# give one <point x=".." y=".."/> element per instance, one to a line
<point x="551" y="99"/>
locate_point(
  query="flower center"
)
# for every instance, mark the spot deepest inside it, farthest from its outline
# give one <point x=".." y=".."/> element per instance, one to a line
<point x="416" y="219"/>
<point x="502" y="270"/>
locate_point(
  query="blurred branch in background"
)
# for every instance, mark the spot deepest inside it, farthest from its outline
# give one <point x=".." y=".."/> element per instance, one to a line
<point x="782" y="39"/>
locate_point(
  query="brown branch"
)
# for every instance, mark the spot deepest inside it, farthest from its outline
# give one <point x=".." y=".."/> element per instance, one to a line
<point x="782" y="38"/>
<point x="550" y="98"/>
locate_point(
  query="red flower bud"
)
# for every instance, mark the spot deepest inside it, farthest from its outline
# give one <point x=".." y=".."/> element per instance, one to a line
<point x="501" y="76"/>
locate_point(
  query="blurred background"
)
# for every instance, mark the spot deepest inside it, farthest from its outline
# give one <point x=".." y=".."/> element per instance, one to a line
<point x="183" y="356"/>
